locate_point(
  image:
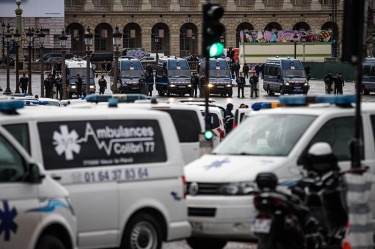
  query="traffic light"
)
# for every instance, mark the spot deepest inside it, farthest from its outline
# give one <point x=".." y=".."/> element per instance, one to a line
<point x="208" y="135"/>
<point x="212" y="30"/>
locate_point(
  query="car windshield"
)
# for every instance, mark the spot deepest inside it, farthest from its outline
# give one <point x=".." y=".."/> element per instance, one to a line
<point x="219" y="73"/>
<point x="266" y="135"/>
<point x="81" y="71"/>
<point x="178" y="68"/>
<point x="294" y="74"/>
<point x="131" y="69"/>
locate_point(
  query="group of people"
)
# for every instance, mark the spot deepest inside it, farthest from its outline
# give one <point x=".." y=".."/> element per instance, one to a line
<point x="253" y="85"/>
<point x="334" y="83"/>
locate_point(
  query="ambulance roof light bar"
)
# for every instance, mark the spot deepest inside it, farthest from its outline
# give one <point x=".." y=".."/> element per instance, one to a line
<point x="339" y="100"/>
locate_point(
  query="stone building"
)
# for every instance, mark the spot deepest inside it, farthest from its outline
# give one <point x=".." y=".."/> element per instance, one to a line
<point x="178" y="22"/>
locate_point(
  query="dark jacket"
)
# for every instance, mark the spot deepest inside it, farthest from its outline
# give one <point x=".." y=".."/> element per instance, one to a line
<point x="328" y="79"/>
<point x="24" y="81"/>
<point x="240" y="81"/>
<point x="253" y="80"/>
<point x="102" y="82"/>
<point x="228" y="120"/>
<point x="245" y="68"/>
<point x="194" y="80"/>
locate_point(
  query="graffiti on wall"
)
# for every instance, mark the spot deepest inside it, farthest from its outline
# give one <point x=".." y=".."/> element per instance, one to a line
<point x="285" y="36"/>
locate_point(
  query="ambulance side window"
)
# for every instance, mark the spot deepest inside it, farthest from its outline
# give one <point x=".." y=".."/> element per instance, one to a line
<point x="11" y="162"/>
<point x="21" y="133"/>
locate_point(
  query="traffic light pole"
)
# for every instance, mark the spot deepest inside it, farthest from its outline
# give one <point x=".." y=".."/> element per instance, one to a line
<point x="206" y="92"/>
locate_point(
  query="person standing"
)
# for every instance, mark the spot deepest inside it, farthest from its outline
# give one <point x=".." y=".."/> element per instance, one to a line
<point x="257" y="70"/>
<point x="79" y="86"/>
<point x="102" y="85"/>
<point x="194" y="82"/>
<point x="202" y="87"/>
<point x="339" y="83"/>
<point x="328" y="80"/>
<point x="53" y="71"/>
<point x="253" y="85"/>
<point x="228" y="118"/>
<point x="48" y="86"/>
<point x="237" y="69"/>
<point x="104" y="67"/>
<point x="308" y="72"/>
<point x="262" y="70"/>
<point x="24" y="81"/>
<point x="150" y="79"/>
<point x="245" y="71"/>
<point x="58" y="85"/>
<point x="240" y="85"/>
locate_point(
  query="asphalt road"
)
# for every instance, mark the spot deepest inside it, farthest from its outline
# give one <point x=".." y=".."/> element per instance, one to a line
<point x="316" y="88"/>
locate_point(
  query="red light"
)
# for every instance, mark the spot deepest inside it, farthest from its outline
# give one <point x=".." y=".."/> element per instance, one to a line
<point x="256" y="201"/>
<point x="184" y="184"/>
<point x="276" y="202"/>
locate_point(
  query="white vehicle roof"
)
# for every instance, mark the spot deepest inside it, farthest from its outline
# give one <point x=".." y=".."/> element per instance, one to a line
<point x="76" y="63"/>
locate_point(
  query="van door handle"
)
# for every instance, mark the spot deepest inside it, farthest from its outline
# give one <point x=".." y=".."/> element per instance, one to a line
<point x="55" y="177"/>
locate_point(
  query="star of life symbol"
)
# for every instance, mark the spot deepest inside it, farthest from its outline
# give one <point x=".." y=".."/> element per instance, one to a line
<point x="66" y="142"/>
<point x="216" y="164"/>
<point x="7" y="224"/>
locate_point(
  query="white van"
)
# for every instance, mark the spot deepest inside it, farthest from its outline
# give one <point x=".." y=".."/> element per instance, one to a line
<point x="124" y="172"/>
<point x="35" y="210"/>
<point x="220" y="208"/>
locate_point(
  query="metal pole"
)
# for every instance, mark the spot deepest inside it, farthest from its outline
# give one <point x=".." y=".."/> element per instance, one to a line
<point x="63" y="75"/>
<point x="17" y="69"/>
<point x="157" y="44"/>
<point x="88" y="71"/>
<point x="29" y="90"/>
<point x="304" y="51"/>
<point x="115" y="71"/>
<point x="295" y="49"/>
<point x="41" y="71"/>
<point x="7" y="90"/>
<point x="206" y="92"/>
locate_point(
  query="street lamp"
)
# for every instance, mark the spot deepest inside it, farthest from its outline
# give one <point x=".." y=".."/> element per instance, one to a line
<point x="373" y="44"/>
<point x="77" y="42"/>
<point x="41" y="37"/>
<point x="157" y="45"/>
<point x="8" y="38"/>
<point x="33" y="45"/>
<point x="17" y="37"/>
<point x="30" y="38"/>
<point x="116" y="42"/>
<point x="303" y="39"/>
<point x="3" y="39"/>
<point x="88" y="42"/>
<point x="63" y="39"/>
<point x="295" y="37"/>
<point x="193" y="40"/>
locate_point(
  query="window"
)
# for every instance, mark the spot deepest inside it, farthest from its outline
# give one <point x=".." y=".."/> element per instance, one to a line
<point x="269" y="2"/>
<point x="186" y="2"/>
<point x="158" y="2"/>
<point x="73" y="2"/>
<point x="325" y="2"/>
<point x="214" y="119"/>
<point x="366" y="71"/>
<point x="298" y="2"/>
<point x="129" y="2"/>
<point x="337" y="132"/>
<point x="101" y="2"/>
<point x="187" y="124"/>
<point x="11" y="162"/>
<point x="372" y="71"/>
<point x="21" y="133"/>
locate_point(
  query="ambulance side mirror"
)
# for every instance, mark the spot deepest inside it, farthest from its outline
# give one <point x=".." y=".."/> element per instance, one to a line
<point x="34" y="174"/>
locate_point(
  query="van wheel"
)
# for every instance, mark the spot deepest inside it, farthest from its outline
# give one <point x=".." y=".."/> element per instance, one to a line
<point x="230" y="94"/>
<point x="168" y="93"/>
<point x="269" y="92"/>
<point x="281" y="92"/>
<point x="142" y="232"/>
<point x="49" y="242"/>
<point x="191" y="93"/>
<point x="161" y="93"/>
<point x="205" y="243"/>
<point x="364" y="91"/>
<point x="70" y="95"/>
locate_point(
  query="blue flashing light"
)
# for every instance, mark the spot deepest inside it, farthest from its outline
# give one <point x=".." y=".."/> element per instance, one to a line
<point x="340" y="100"/>
<point x="266" y="105"/>
<point x="256" y="106"/>
<point x="112" y="102"/>
<point x="19" y="95"/>
<point x="11" y="105"/>
<point x="129" y="98"/>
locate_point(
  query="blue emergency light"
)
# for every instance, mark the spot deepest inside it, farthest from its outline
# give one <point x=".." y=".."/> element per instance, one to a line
<point x="35" y="102"/>
<point x="129" y="98"/>
<point x="19" y="95"/>
<point x="265" y="105"/>
<point x="340" y="100"/>
<point x="11" y="105"/>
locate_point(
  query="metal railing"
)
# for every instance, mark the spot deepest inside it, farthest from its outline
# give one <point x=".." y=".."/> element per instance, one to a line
<point x="74" y="8"/>
<point x="132" y="8"/>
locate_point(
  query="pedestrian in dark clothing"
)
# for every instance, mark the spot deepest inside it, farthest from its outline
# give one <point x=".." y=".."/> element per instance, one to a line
<point x="79" y="86"/>
<point x="58" y="68"/>
<point x="194" y="82"/>
<point x="48" y="84"/>
<point x="104" y="67"/>
<point x="53" y="71"/>
<point x="202" y="87"/>
<point x="308" y="72"/>
<point x="240" y="85"/>
<point x="262" y="70"/>
<point x="254" y="85"/>
<point x="339" y="82"/>
<point x="232" y="70"/>
<point x="328" y="80"/>
<point x="237" y="69"/>
<point x="143" y="87"/>
<point x="245" y="70"/>
<point x="109" y="66"/>
<point x="102" y="85"/>
<point x="58" y="85"/>
<point x="257" y="70"/>
<point x="24" y="81"/>
<point x="228" y="118"/>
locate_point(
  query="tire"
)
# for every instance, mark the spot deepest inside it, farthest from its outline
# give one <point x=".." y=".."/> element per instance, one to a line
<point x="70" y="95"/>
<point x="142" y="232"/>
<point x="206" y="243"/>
<point x="269" y="92"/>
<point x="161" y="93"/>
<point x="281" y="91"/>
<point x="49" y="242"/>
<point x="168" y="93"/>
<point x="364" y="91"/>
<point x="304" y="93"/>
<point x="191" y="93"/>
<point x="230" y="94"/>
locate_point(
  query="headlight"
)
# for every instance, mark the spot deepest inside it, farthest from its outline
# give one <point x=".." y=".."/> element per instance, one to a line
<point x="306" y="84"/>
<point x="92" y="86"/>
<point x="172" y="85"/>
<point x="189" y="85"/>
<point x="73" y="87"/>
<point x="229" y="85"/>
<point x="210" y="85"/>
<point x="287" y="83"/>
<point x="237" y="188"/>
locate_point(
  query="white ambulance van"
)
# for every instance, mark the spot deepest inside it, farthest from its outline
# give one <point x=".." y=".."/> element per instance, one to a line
<point x="124" y="173"/>
<point x="276" y="140"/>
<point x="35" y="210"/>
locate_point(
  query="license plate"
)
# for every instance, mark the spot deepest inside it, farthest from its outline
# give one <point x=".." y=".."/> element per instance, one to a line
<point x="181" y="86"/>
<point x="220" y="86"/>
<point x="135" y="87"/>
<point x="297" y="87"/>
<point x="261" y="225"/>
<point x="197" y="226"/>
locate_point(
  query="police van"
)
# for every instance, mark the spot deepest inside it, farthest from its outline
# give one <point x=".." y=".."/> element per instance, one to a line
<point x="220" y="78"/>
<point x="173" y="77"/>
<point x="368" y="76"/>
<point x="130" y="71"/>
<point x="285" y="76"/>
<point x="124" y="173"/>
<point x="220" y="204"/>
<point x="77" y="66"/>
<point x="35" y="210"/>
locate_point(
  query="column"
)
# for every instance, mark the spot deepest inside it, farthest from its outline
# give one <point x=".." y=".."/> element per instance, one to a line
<point x="259" y="5"/>
<point x="89" y="5"/>
<point x="174" y="44"/>
<point x="117" y="5"/>
<point x="287" y="5"/>
<point x="231" y="6"/>
<point x="146" y="5"/>
<point x="315" y="5"/>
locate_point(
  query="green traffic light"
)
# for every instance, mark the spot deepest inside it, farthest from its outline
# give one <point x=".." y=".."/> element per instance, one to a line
<point x="216" y="49"/>
<point x="208" y="135"/>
